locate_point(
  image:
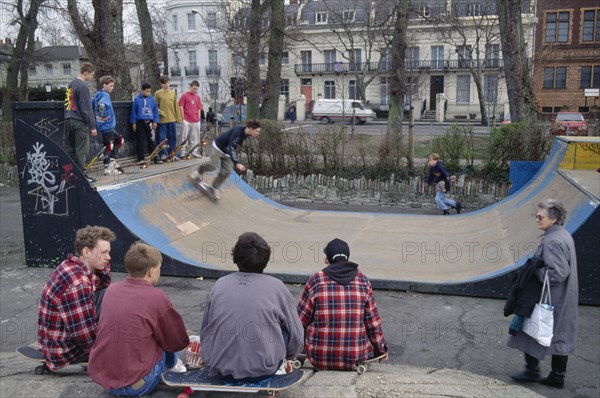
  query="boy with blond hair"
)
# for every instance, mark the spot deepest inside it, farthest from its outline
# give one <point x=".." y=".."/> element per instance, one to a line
<point x="140" y="332"/>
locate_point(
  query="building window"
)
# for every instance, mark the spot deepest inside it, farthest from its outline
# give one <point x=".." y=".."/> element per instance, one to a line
<point x="384" y="90"/>
<point x="492" y="55"/>
<point x="306" y="58"/>
<point x="306" y="82"/>
<point x="321" y="17"/>
<point x="437" y="57"/>
<point x="355" y="57"/>
<point x="174" y="19"/>
<point x="238" y="60"/>
<point x="385" y="62"/>
<point x="191" y="20"/>
<point x="285" y="58"/>
<point x="424" y="10"/>
<point x="353" y="91"/>
<point x="66" y="69"/>
<point x="348" y="15"/>
<point x="262" y="58"/>
<point x="213" y="88"/>
<point x="290" y="20"/>
<point x="329" y="89"/>
<point x="464" y="56"/>
<point x="211" y="20"/>
<point x="590" y="76"/>
<point x="555" y="77"/>
<point x="49" y="70"/>
<point x="591" y="25"/>
<point x="213" y="61"/>
<point x="463" y="88"/>
<point x="32" y="70"/>
<point x="284" y="89"/>
<point x="557" y="27"/>
<point x="192" y="58"/>
<point x="474" y="9"/>
<point x="412" y="58"/>
<point x="329" y="56"/>
<point x="490" y="83"/>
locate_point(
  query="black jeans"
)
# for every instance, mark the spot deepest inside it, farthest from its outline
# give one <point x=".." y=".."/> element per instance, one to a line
<point x="143" y="139"/>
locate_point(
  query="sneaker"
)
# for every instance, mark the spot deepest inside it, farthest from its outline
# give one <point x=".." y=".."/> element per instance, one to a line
<point x="458" y="207"/>
<point x="89" y="179"/>
<point x="195" y="175"/>
<point x="141" y="162"/>
<point x="112" y="171"/>
<point x="178" y="368"/>
<point x="114" y="164"/>
<point x="158" y="161"/>
<point x="163" y="158"/>
<point x="446" y="213"/>
<point x="175" y="158"/>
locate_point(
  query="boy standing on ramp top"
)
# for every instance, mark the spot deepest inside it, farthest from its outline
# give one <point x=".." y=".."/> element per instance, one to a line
<point x="338" y="301"/>
<point x="225" y="153"/>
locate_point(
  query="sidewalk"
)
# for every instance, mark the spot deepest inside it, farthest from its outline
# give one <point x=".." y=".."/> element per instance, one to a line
<point x="439" y="345"/>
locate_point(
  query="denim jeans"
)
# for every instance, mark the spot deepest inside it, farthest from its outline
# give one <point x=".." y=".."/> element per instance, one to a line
<point x="443" y="202"/>
<point x="168" y="131"/>
<point x="151" y="380"/>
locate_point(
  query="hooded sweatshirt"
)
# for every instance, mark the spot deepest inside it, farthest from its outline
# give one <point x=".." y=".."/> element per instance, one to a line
<point x="105" y="114"/>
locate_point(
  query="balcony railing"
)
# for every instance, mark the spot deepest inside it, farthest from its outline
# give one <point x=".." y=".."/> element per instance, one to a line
<point x="213" y="71"/>
<point x="345" y="67"/>
<point x="192" y="71"/>
<point x="175" y="71"/>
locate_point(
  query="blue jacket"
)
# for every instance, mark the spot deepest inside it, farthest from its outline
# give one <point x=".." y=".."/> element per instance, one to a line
<point x="229" y="142"/>
<point x="105" y="114"/>
<point x="144" y="108"/>
<point x="438" y="173"/>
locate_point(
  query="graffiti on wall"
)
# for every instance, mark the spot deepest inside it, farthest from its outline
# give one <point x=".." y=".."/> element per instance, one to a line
<point x="50" y="183"/>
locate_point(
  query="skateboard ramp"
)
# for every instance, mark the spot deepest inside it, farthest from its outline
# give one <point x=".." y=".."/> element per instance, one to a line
<point x="470" y="254"/>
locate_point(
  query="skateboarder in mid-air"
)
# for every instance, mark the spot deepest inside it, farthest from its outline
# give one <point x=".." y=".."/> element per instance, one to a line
<point x="338" y="301"/>
<point x="225" y="152"/>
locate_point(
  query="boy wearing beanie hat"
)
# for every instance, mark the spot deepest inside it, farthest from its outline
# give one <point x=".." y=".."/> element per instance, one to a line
<point x="338" y="301"/>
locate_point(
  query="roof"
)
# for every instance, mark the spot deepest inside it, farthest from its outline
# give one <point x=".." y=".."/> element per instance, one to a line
<point x="60" y="53"/>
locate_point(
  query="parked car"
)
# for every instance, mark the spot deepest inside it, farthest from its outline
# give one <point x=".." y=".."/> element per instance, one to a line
<point x="569" y="123"/>
<point x="339" y="110"/>
<point x="234" y="113"/>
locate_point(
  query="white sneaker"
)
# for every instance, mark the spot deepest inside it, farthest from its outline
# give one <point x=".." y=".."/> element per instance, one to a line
<point x="178" y="368"/>
<point x="112" y="171"/>
<point x="115" y="164"/>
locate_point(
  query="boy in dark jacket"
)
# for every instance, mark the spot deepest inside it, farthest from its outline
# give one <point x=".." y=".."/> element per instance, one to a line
<point x="225" y="152"/>
<point x="144" y="118"/>
<point x="106" y="122"/>
<point x="438" y="174"/>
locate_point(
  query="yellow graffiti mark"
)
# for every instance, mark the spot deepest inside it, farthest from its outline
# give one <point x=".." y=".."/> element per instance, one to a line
<point x="69" y="100"/>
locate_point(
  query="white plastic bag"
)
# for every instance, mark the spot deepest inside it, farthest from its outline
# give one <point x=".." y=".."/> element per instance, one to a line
<point x="540" y="324"/>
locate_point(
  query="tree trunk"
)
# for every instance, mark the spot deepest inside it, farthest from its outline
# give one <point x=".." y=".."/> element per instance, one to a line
<point x="480" y="97"/>
<point x="19" y="55"/>
<point x="103" y="42"/>
<point x="149" y="57"/>
<point x="519" y="86"/>
<point x="253" y="82"/>
<point x="271" y="104"/>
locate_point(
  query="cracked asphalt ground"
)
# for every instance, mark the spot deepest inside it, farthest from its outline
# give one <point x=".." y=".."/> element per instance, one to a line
<point x="427" y="331"/>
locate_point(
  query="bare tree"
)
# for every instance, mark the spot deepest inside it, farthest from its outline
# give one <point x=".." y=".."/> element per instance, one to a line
<point x="102" y="38"/>
<point x="149" y="50"/>
<point x="253" y="82"/>
<point x="21" y="55"/>
<point x="519" y="86"/>
<point x="276" y="35"/>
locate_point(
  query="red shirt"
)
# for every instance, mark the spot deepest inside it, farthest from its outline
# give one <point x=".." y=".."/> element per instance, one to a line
<point x="341" y="322"/>
<point x="137" y="325"/>
<point x="67" y="314"/>
<point x="192" y="105"/>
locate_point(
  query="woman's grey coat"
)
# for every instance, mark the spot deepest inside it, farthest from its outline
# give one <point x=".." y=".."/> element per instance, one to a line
<point x="558" y="251"/>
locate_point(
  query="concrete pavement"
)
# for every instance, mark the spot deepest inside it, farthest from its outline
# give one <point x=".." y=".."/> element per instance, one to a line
<point x="439" y="345"/>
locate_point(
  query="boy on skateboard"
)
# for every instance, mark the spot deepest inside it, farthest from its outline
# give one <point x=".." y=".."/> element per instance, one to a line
<point x="437" y="174"/>
<point x="338" y="301"/>
<point x="225" y="153"/>
<point x="250" y="324"/>
<point x="72" y="298"/>
<point x="140" y="332"/>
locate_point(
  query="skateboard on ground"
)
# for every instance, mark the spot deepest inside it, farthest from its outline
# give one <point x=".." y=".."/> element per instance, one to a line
<point x="162" y="145"/>
<point x="171" y="156"/>
<point x="95" y="158"/>
<point x="204" y="188"/>
<point x="188" y="154"/>
<point x="362" y="365"/>
<point x="34" y="354"/>
<point x="198" y="380"/>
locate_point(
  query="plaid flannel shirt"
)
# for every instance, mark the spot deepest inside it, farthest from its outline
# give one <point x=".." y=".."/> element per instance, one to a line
<point x="341" y="322"/>
<point x="67" y="314"/>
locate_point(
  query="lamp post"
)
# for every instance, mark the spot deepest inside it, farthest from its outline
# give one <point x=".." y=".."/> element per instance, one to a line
<point x="48" y="88"/>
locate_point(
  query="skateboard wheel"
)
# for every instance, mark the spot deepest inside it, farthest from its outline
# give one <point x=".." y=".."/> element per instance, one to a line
<point x="360" y="369"/>
<point x="297" y="364"/>
<point x="40" y="370"/>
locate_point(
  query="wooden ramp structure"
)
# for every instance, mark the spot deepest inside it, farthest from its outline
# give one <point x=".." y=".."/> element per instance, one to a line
<point x="469" y="254"/>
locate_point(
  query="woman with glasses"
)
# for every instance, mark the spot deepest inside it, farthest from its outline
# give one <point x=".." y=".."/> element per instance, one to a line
<point x="557" y="249"/>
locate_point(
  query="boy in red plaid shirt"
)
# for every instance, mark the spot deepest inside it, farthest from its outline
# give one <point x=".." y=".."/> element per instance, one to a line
<point x="339" y="314"/>
<point x="70" y="302"/>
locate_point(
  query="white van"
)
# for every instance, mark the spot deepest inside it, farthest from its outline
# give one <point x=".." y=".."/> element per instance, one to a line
<point x="340" y="110"/>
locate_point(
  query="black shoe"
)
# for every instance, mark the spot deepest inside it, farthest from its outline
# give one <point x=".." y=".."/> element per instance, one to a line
<point x="458" y="207"/>
<point x="89" y="179"/>
<point x="527" y="376"/>
<point x="446" y="213"/>
<point x="554" y="379"/>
